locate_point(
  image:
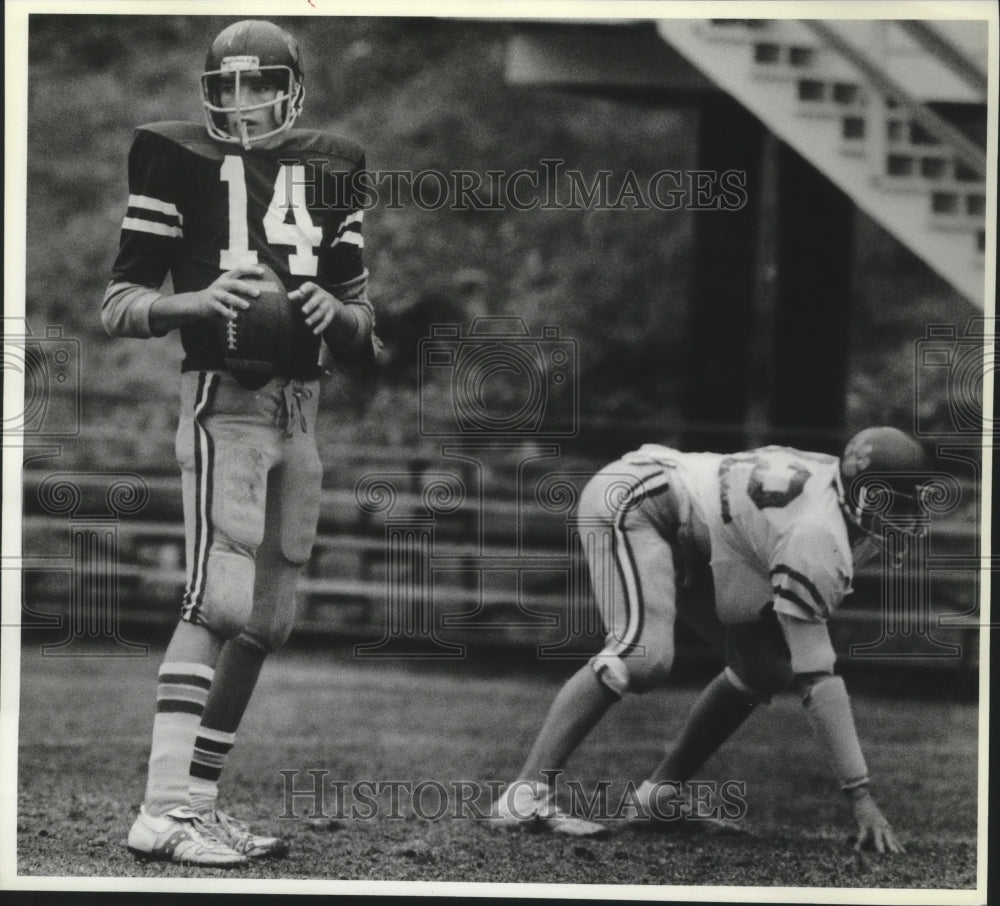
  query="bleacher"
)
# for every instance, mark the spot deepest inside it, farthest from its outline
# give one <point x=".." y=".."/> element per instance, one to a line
<point x="423" y="554"/>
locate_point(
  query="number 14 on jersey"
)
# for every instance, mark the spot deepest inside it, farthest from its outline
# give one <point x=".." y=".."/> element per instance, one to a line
<point x="289" y="197"/>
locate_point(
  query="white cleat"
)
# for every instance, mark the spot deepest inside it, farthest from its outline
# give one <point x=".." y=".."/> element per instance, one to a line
<point x="238" y="836"/>
<point x="181" y="836"/>
<point x="531" y="807"/>
<point x="662" y="808"/>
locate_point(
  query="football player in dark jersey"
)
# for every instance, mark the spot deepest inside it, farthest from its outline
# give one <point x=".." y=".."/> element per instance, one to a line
<point x="208" y="204"/>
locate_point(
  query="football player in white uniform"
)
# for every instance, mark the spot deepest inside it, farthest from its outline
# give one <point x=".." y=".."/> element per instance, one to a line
<point x="755" y="551"/>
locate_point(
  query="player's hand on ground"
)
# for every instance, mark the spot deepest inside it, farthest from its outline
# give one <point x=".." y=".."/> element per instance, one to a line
<point x="226" y="296"/>
<point x="318" y="306"/>
<point x="874" y="831"/>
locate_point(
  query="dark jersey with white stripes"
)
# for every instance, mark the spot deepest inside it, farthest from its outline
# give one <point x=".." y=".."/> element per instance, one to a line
<point x="198" y="207"/>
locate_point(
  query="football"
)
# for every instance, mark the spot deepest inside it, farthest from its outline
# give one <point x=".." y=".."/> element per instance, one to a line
<point x="261" y="336"/>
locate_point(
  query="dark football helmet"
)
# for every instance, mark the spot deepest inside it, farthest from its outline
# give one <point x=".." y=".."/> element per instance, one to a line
<point x="882" y="471"/>
<point x="261" y="48"/>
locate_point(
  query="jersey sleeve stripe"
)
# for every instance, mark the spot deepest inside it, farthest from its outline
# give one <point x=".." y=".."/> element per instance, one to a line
<point x="349" y="231"/>
<point x="350" y="239"/>
<point x="148" y="226"/>
<point x="154" y="204"/>
<point x="153" y="216"/>
<point x="790" y="595"/>
<point x="807" y="585"/>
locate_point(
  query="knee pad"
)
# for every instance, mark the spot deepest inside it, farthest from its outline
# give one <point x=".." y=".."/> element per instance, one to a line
<point x="274" y="608"/>
<point x="757" y="657"/>
<point x="265" y="639"/>
<point x="620" y="676"/>
<point x="648" y="672"/>
<point x="761" y="686"/>
<point x="227" y="602"/>
<point x="270" y="638"/>
<point x="612" y="672"/>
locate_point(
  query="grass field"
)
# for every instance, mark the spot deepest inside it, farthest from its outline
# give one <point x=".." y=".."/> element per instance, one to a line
<point x="84" y="735"/>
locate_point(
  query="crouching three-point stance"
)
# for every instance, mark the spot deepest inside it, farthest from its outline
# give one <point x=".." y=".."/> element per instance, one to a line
<point x="754" y="551"/>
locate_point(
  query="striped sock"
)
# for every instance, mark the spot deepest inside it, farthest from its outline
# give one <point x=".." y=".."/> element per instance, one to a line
<point x="211" y="749"/>
<point x="181" y="693"/>
<point x="236" y="675"/>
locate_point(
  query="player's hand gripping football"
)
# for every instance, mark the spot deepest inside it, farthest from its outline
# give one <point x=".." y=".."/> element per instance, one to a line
<point x="225" y="297"/>
<point x="874" y="831"/>
<point x="318" y="306"/>
<point x="216" y="302"/>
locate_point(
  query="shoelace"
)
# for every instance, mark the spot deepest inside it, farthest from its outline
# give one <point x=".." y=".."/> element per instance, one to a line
<point x="233" y="825"/>
<point x="206" y="829"/>
<point x="239" y="836"/>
